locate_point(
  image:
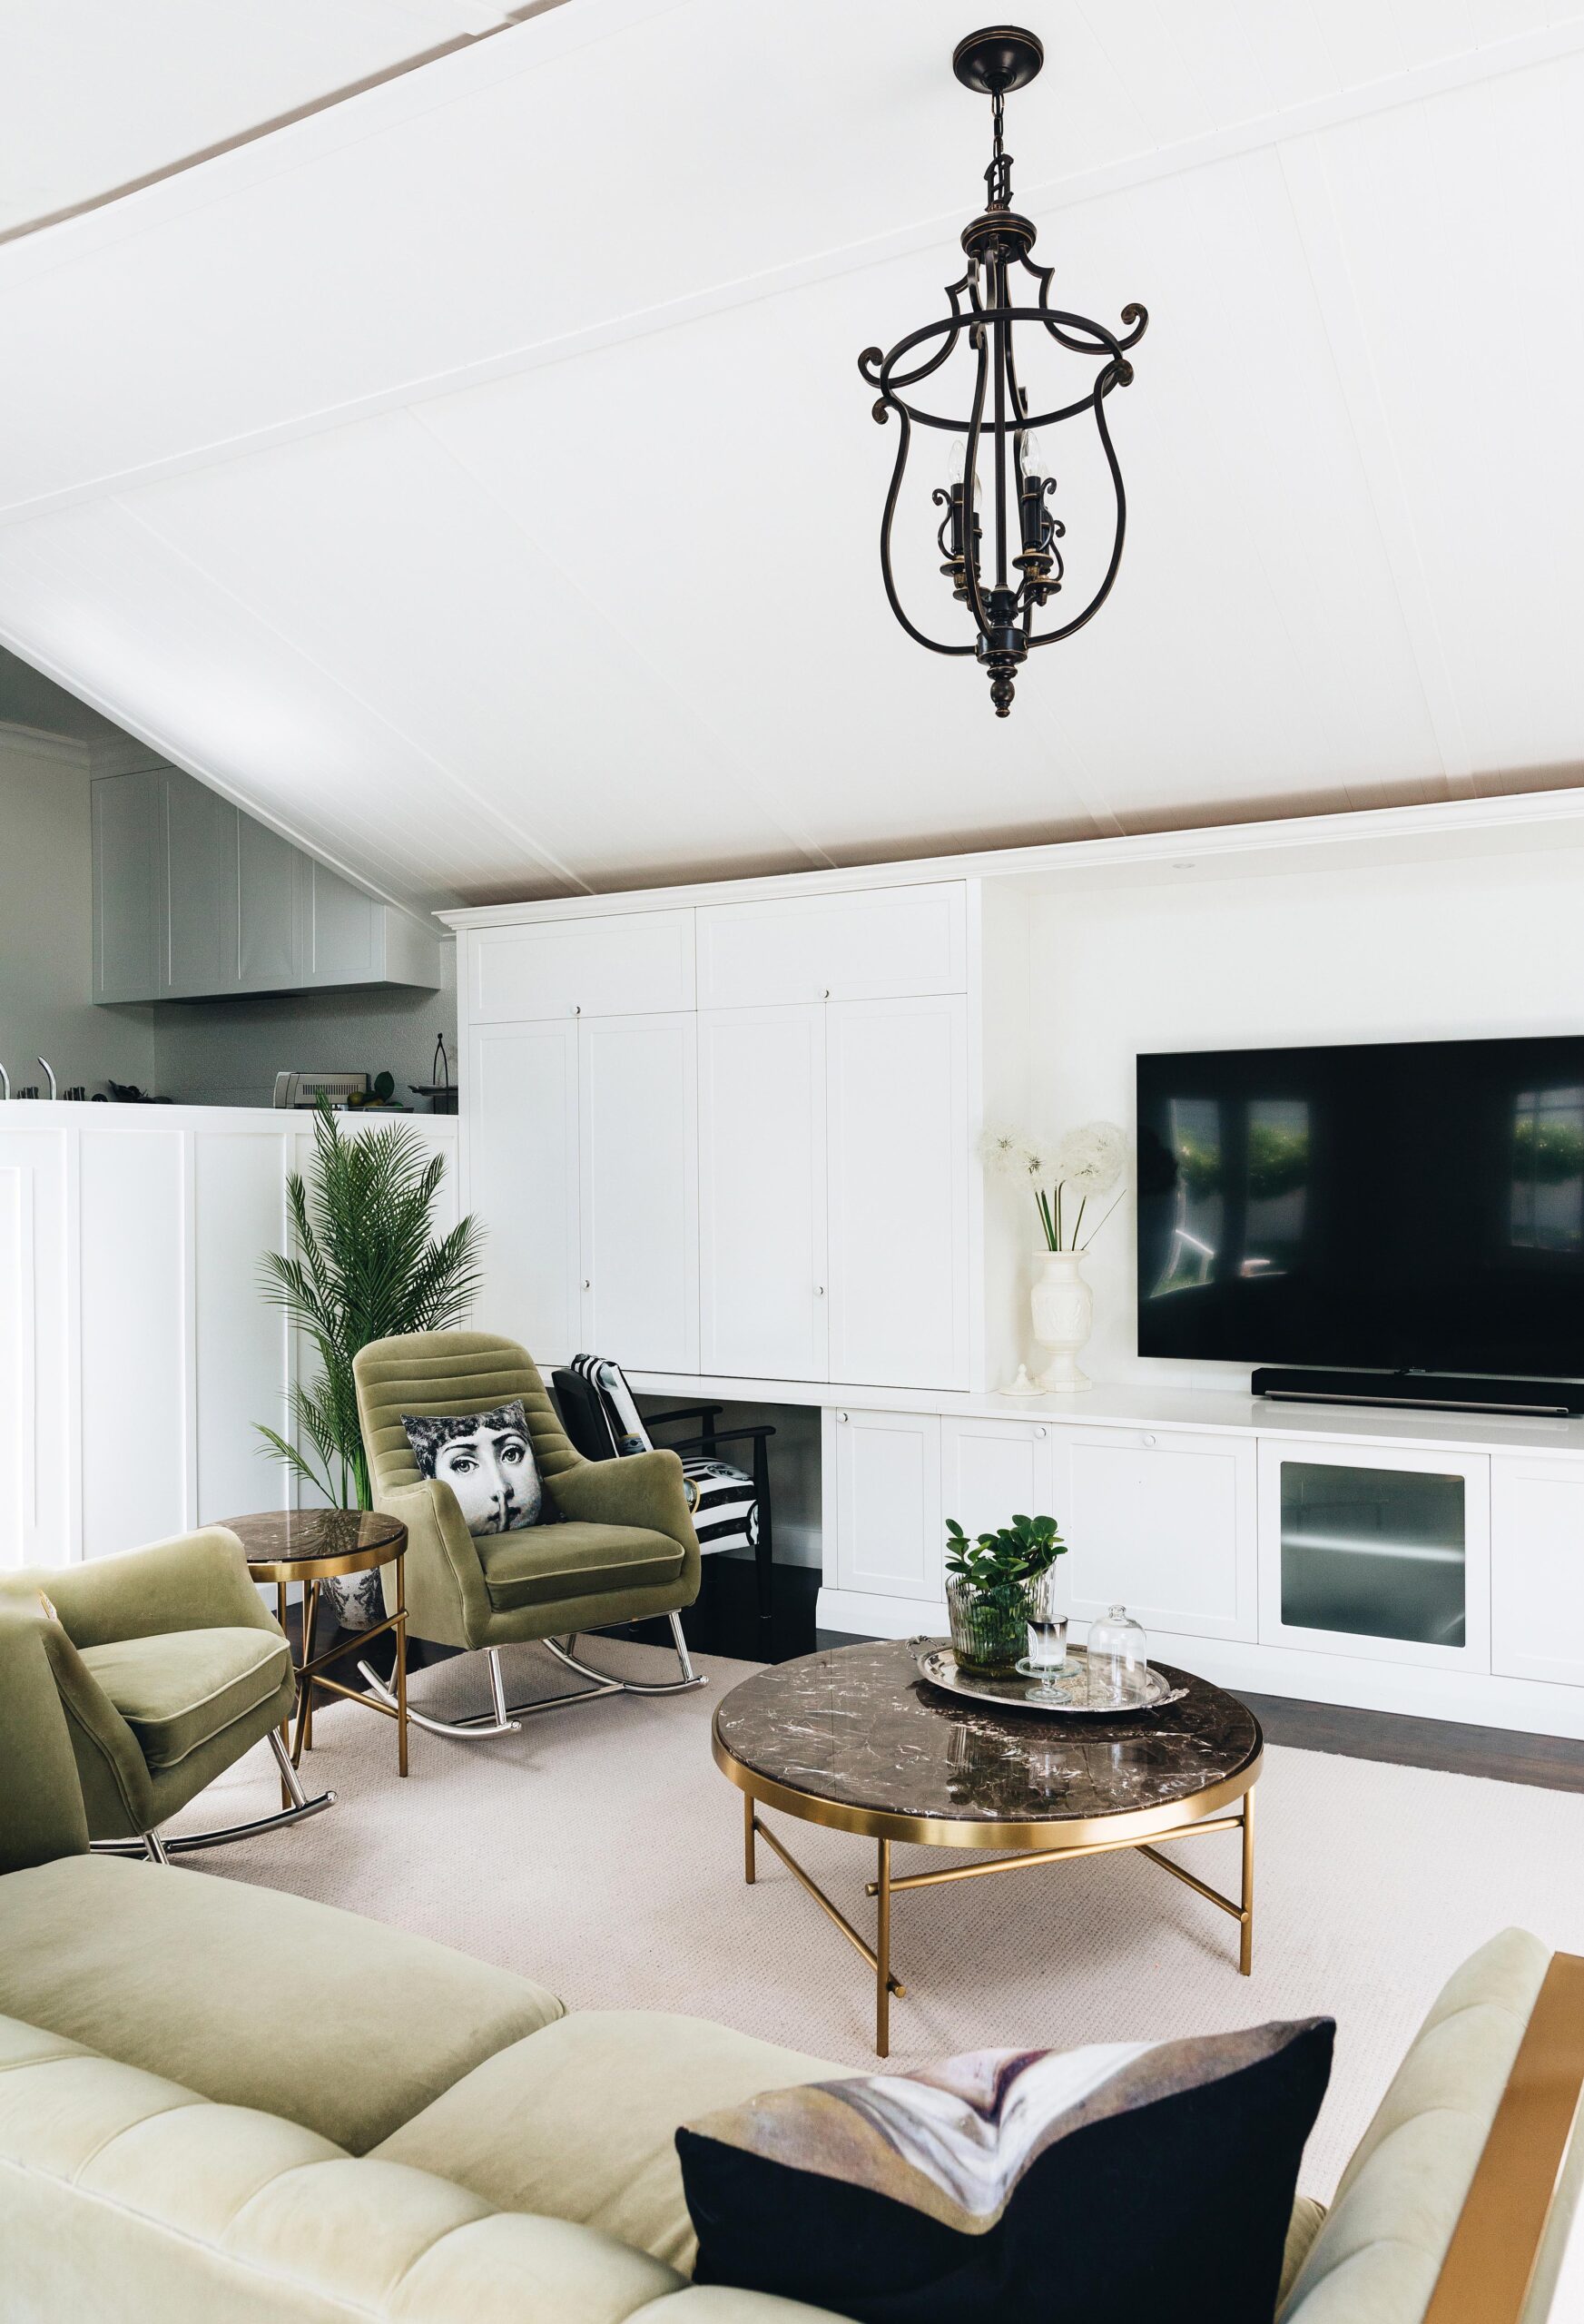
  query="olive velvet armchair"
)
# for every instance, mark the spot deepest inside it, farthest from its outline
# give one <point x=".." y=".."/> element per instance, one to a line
<point x="620" y="1546"/>
<point x="168" y="1668"/>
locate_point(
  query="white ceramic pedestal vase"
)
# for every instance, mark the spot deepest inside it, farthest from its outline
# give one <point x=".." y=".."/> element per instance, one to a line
<point x="1064" y="1313"/>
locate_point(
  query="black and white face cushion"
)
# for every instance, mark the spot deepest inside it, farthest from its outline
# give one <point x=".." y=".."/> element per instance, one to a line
<point x="486" y="1459"/>
<point x="1105" y="2185"/>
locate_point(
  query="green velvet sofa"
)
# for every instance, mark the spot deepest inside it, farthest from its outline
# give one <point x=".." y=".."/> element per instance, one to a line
<point x="221" y="2103"/>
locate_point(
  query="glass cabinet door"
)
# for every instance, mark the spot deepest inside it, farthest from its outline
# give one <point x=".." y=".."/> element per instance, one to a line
<point x="1376" y="1554"/>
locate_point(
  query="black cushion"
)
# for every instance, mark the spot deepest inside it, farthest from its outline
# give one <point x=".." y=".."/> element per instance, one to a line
<point x="1102" y="2186"/>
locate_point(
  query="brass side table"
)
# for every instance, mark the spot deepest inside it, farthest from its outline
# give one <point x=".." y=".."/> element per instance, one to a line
<point x="310" y="1547"/>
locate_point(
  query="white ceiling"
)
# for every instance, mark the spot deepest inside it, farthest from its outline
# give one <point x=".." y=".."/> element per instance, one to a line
<point x="100" y="94"/>
<point x="476" y="478"/>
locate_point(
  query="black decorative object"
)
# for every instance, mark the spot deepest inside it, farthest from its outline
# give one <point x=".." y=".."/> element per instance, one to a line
<point x="440" y="1091"/>
<point x="1026" y="533"/>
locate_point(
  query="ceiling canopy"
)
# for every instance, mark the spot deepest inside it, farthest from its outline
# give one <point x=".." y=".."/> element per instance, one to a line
<point x="474" y="478"/>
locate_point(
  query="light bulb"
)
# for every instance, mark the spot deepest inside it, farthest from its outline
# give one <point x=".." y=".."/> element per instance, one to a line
<point x="957" y="460"/>
<point x="1030" y="458"/>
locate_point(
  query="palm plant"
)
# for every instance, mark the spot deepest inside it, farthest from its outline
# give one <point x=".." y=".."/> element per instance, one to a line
<point x="366" y="1267"/>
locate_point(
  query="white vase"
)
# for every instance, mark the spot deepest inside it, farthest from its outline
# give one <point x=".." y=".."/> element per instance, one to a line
<point x="1064" y="1313"/>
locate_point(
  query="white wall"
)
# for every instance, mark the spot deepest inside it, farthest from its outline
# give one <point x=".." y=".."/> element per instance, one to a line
<point x="47" y="929"/>
<point x="1420" y="951"/>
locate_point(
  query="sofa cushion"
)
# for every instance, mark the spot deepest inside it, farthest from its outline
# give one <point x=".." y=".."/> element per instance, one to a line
<point x="581" y="2121"/>
<point x="203" y="1979"/>
<point x="549" y="1562"/>
<point x="1376" y="2258"/>
<point x="178" y="1689"/>
<point x="125" y="2195"/>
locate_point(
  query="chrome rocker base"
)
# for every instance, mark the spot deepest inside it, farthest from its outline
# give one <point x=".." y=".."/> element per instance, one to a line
<point x="501" y="1719"/>
<point x="160" y="1850"/>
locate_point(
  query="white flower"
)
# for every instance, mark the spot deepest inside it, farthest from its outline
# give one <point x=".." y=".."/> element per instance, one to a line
<point x="1002" y="1152"/>
<point x="1091" y="1159"/>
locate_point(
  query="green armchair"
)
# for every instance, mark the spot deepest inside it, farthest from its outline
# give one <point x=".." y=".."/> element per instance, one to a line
<point x="625" y="1549"/>
<point x="168" y="1668"/>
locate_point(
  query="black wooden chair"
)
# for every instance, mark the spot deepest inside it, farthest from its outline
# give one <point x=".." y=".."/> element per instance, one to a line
<point x="601" y="1416"/>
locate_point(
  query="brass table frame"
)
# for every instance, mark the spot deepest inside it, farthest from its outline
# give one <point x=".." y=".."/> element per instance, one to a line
<point x="310" y="1573"/>
<point x="1045" y="1841"/>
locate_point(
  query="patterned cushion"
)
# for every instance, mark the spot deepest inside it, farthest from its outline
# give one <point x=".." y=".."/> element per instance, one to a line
<point x="486" y="1459"/>
<point x="1016" y="2183"/>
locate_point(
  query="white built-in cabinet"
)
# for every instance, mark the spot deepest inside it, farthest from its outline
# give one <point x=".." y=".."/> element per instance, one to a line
<point x="765" y="1302"/>
<point x="1163" y="1521"/>
<point x="1537" y="1579"/>
<point x="586" y="1172"/>
<point x="755" y="1138"/>
<point x="194" y="900"/>
<point x="882" y="1496"/>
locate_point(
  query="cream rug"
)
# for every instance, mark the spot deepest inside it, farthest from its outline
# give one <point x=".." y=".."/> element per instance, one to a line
<point x="600" y="1852"/>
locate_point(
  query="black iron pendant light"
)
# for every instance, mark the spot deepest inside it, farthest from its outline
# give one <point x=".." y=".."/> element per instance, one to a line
<point x="1026" y="564"/>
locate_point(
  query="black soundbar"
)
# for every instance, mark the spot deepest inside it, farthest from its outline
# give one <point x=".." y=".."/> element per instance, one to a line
<point x="1430" y="1391"/>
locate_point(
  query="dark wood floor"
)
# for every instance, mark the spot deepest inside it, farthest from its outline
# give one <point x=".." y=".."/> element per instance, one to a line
<point x="725" y="1621"/>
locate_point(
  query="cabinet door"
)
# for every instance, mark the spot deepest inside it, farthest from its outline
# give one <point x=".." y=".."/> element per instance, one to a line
<point x="1374" y="1552"/>
<point x="522" y="1182"/>
<point x="897" y="1092"/>
<point x="762" y="1306"/>
<point x="1162" y="1523"/>
<point x="888" y="1504"/>
<point x="880" y="944"/>
<point x="620" y="965"/>
<point x="1537" y="1569"/>
<point x="342" y="941"/>
<point x="992" y="1471"/>
<point x="129" y="888"/>
<point x="270" y="912"/>
<point x="639" y="1139"/>
<point x="199" y="864"/>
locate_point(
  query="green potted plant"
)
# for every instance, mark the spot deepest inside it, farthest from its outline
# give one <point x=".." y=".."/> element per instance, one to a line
<point x="990" y="1582"/>
<point x="366" y="1266"/>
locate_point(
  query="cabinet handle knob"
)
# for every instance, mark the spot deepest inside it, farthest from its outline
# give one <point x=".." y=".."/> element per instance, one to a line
<point x="824" y="992"/>
<point x="1040" y="1431"/>
<point x="840" y="1415"/>
<point x="1148" y="1439"/>
<point x="819" y="1291"/>
<point x="587" y="1283"/>
<point x="577" y="1008"/>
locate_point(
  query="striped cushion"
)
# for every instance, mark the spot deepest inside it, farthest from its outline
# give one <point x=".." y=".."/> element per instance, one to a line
<point x="727" y="1515"/>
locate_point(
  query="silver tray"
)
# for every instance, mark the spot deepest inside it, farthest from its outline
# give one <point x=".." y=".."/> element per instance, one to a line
<point x="1064" y="1695"/>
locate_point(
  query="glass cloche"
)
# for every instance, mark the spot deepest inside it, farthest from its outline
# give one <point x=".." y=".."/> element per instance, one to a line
<point x="1118" y="1660"/>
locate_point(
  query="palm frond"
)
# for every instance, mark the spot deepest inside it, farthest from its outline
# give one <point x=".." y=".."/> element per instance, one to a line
<point x="364" y="1264"/>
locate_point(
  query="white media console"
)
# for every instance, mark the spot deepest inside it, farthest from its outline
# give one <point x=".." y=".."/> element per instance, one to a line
<point x="729" y="1133"/>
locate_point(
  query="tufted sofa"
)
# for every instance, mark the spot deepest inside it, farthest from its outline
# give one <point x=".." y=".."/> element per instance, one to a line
<point x="217" y="2100"/>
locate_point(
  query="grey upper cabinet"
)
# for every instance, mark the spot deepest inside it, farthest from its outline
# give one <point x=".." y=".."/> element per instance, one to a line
<point x="194" y="900"/>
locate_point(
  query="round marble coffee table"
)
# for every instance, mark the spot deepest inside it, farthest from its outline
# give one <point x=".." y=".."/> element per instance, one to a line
<point x="857" y="1739"/>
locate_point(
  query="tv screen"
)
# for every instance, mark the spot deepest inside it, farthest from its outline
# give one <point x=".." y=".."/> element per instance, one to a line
<point x="1403" y="1205"/>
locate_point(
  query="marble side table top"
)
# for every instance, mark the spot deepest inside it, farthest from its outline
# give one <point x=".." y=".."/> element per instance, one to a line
<point x="859" y="1727"/>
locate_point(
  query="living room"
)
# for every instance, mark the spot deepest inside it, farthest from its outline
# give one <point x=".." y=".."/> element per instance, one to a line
<point x="685" y="1286"/>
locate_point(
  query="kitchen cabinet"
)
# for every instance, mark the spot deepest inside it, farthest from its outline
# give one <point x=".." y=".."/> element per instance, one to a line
<point x="194" y="900"/>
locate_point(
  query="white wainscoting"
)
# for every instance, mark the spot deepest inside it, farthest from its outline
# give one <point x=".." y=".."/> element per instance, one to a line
<point x="136" y="1350"/>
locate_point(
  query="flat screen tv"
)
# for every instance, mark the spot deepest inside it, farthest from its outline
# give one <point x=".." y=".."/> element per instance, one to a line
<point x="1400" y="1205"/>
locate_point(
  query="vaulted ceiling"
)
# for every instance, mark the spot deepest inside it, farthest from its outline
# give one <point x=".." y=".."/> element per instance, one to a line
<point x="475" y="479"/>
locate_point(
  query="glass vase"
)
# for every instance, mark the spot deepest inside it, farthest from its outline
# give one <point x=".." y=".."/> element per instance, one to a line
<point x="987" y="1633"/>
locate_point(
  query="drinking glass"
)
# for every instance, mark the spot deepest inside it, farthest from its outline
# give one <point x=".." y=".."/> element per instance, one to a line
<point x="1046" y="1628"/>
